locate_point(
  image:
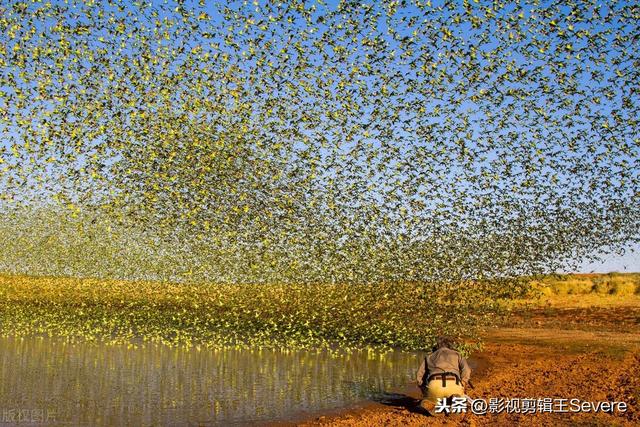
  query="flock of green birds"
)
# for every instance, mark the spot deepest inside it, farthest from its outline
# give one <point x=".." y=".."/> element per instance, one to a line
<point x="340" y="317"/>
<point x="308" y="143"/>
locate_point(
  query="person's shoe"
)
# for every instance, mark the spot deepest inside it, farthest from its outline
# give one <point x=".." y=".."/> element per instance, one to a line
<point x="429" y="407"/>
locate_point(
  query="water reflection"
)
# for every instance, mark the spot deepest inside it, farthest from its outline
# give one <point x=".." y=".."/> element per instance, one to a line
<point x="93" y="384"/>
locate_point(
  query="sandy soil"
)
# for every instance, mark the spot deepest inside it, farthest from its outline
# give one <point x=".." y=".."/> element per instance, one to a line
<point x="587" y="353"/>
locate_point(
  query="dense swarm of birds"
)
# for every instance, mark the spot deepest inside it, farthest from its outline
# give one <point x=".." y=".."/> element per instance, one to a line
<point x="316" y="141"/>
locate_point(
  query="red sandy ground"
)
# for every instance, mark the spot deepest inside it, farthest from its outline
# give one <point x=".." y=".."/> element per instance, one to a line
<point x="595" y="357"/>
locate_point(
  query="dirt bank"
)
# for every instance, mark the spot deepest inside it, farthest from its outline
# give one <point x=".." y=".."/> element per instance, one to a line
<point x="542" y="361"/>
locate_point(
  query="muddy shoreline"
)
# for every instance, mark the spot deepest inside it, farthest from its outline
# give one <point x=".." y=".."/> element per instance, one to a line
<point x="408" y="396"/>
<point x="594" y="358"/>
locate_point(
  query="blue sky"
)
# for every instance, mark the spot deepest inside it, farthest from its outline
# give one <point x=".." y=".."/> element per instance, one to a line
<point x="629" y="262"/>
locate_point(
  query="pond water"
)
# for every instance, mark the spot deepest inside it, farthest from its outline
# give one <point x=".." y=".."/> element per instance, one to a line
<point x="50" y="381"/>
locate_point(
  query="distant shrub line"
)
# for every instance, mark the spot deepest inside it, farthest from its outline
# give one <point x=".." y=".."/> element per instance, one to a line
<point x="623" y="284"/>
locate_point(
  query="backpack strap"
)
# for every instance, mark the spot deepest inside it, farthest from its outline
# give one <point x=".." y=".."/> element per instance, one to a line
<point x="425" y="377"/>
<point x="444" y="375"/>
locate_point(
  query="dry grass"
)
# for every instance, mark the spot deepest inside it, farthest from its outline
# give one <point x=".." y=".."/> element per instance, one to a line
<point x="583" y="284"/>
<point x="584" y="290"/>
